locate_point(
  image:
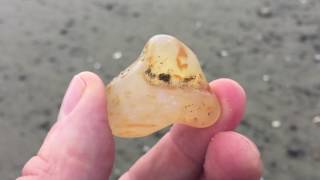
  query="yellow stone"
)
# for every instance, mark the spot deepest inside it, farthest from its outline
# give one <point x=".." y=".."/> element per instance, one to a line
<point x="165" y="85"/>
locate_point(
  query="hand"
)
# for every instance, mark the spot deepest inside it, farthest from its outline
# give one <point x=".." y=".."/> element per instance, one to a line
<point x="80" y="145"/>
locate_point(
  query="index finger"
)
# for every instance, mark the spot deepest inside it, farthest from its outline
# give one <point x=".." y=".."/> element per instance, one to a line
<point x="180" y="153"/>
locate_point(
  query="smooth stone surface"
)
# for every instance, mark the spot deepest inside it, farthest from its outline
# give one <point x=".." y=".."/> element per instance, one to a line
<point x="165" y="85"/>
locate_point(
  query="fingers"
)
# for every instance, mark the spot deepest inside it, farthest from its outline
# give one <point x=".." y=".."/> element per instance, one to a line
<point x="231" y="156"/>
<point x="180" y="153"/>
<point x="80" y="144"/>
<point x="194" y="141"/>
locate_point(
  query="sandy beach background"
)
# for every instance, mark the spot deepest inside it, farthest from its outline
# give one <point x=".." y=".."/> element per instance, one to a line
<point x="272" y="48"/>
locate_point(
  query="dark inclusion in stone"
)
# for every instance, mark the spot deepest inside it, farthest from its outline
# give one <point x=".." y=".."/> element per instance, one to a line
<point x="164" y="77"/>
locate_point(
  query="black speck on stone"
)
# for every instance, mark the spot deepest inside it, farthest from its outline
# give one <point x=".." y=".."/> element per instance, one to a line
<point x="22" y="77"/>
<point x="157" y="134"/>
<point x="246" y="124"/>
<point x="255" y="50"/>
<point x="70" y="23"/>
<point x="273" y="164"/>
<point x="187" y="79"/>
<point x="149" y="73"/>
<point x="260" y="147"/>
<point x="295" y="152"/>
<point x="109" y="6"/>
<point x="299" y="22"/>
<point x="62" y="46"/>
<point x="136" y="14"/>
<point x="52" y="59"/>
<point x="63" y="32"/>
<point x="316" y="47"/>
<point x="272" y="38"/>
<point x="307" y="37"/>
<point x="266" y="139"/>
<point x="44" y="125"/>
<point x="46" y="112"/>
<point x="164" y="77"/>
<point x="293" y="127"/>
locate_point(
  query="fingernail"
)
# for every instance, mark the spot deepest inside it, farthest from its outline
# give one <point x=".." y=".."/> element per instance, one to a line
<point x="72" y="96"/>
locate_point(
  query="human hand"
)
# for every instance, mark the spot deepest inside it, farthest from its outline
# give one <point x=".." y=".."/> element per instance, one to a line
<point x="80" y="145"/>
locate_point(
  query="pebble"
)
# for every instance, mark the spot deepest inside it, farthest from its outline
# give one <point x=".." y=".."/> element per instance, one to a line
<point x="266" y="78"/>
<point x="265" y="12"/>
<point x="198" y="24"/>
<point x="97" y="65"/>
<point x="288" y="59"/>
<point x="317" y="58"/>
<point x="223" y="53"/>
<point x="145" y="148"/>
<point x="117" y="55"/>
<point x="303" y="2"/>
<point x="22" y="77"/>
<point x="295" y="152"/>
<point x="316" y="120"/>
<point x="276" y="124"/>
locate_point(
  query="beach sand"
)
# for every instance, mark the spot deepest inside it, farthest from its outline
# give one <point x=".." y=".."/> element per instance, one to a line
<point x="272" y="48"/>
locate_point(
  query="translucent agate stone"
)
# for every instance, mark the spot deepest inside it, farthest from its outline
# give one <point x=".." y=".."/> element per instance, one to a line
<point x="165" y="85"/>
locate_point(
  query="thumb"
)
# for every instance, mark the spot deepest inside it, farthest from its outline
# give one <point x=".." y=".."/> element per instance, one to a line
<point x="80" y="144"/>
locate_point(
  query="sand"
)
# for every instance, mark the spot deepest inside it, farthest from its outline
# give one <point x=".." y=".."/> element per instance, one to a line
<point x="269" y="47"/>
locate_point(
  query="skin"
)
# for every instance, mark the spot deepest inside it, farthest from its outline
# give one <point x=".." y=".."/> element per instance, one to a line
<point x="80" y="144"/>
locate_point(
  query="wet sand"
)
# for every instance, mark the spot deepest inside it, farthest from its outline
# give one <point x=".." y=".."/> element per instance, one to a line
<point x="270" y="47"/>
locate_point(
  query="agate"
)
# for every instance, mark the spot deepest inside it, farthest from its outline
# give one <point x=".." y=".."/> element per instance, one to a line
<point x="165" y="85"/>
